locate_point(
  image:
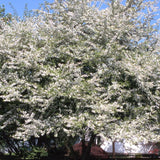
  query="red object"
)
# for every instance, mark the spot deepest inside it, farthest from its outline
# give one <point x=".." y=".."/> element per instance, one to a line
<point x="154" y="151"/>
<point x="96" y="151"/>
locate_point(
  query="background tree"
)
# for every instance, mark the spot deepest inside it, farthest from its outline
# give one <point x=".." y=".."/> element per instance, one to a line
<point x="77" y="71"/>
<point x="3" y="16"/>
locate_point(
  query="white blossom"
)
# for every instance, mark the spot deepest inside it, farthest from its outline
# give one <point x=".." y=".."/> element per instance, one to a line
<point x="80" y="68"/>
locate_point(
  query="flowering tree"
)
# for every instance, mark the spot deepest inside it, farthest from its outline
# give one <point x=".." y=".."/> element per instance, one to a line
<point x="76" y="69"/>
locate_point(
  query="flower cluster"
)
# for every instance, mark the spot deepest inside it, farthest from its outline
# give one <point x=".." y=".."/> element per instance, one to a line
<point x="75" y="67"/>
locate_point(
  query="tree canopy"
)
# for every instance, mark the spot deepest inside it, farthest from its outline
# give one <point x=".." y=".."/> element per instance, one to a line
<point x="76" y="68"/>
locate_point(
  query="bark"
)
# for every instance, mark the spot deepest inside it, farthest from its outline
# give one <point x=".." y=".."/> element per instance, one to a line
<point x="71" y="152"/>
<point x="83" y="146"/>
<point x="86" y="153"/>
<point x="113" y="147"/>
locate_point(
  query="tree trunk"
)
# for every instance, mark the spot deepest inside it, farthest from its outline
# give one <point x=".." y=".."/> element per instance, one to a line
<point x="87" y="149"/>
<point x="70" y="151"/>
<point x="113" y="147"/>
<point x="73" y="153"/>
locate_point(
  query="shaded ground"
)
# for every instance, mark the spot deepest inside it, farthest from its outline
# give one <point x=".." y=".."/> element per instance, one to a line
<point x="67" y="158"/>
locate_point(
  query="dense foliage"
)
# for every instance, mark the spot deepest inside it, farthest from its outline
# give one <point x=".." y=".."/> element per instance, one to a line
<point x="76" y="69"/>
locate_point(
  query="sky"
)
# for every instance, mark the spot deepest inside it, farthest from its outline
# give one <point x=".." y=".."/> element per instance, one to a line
<point x="19" y="5"/>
